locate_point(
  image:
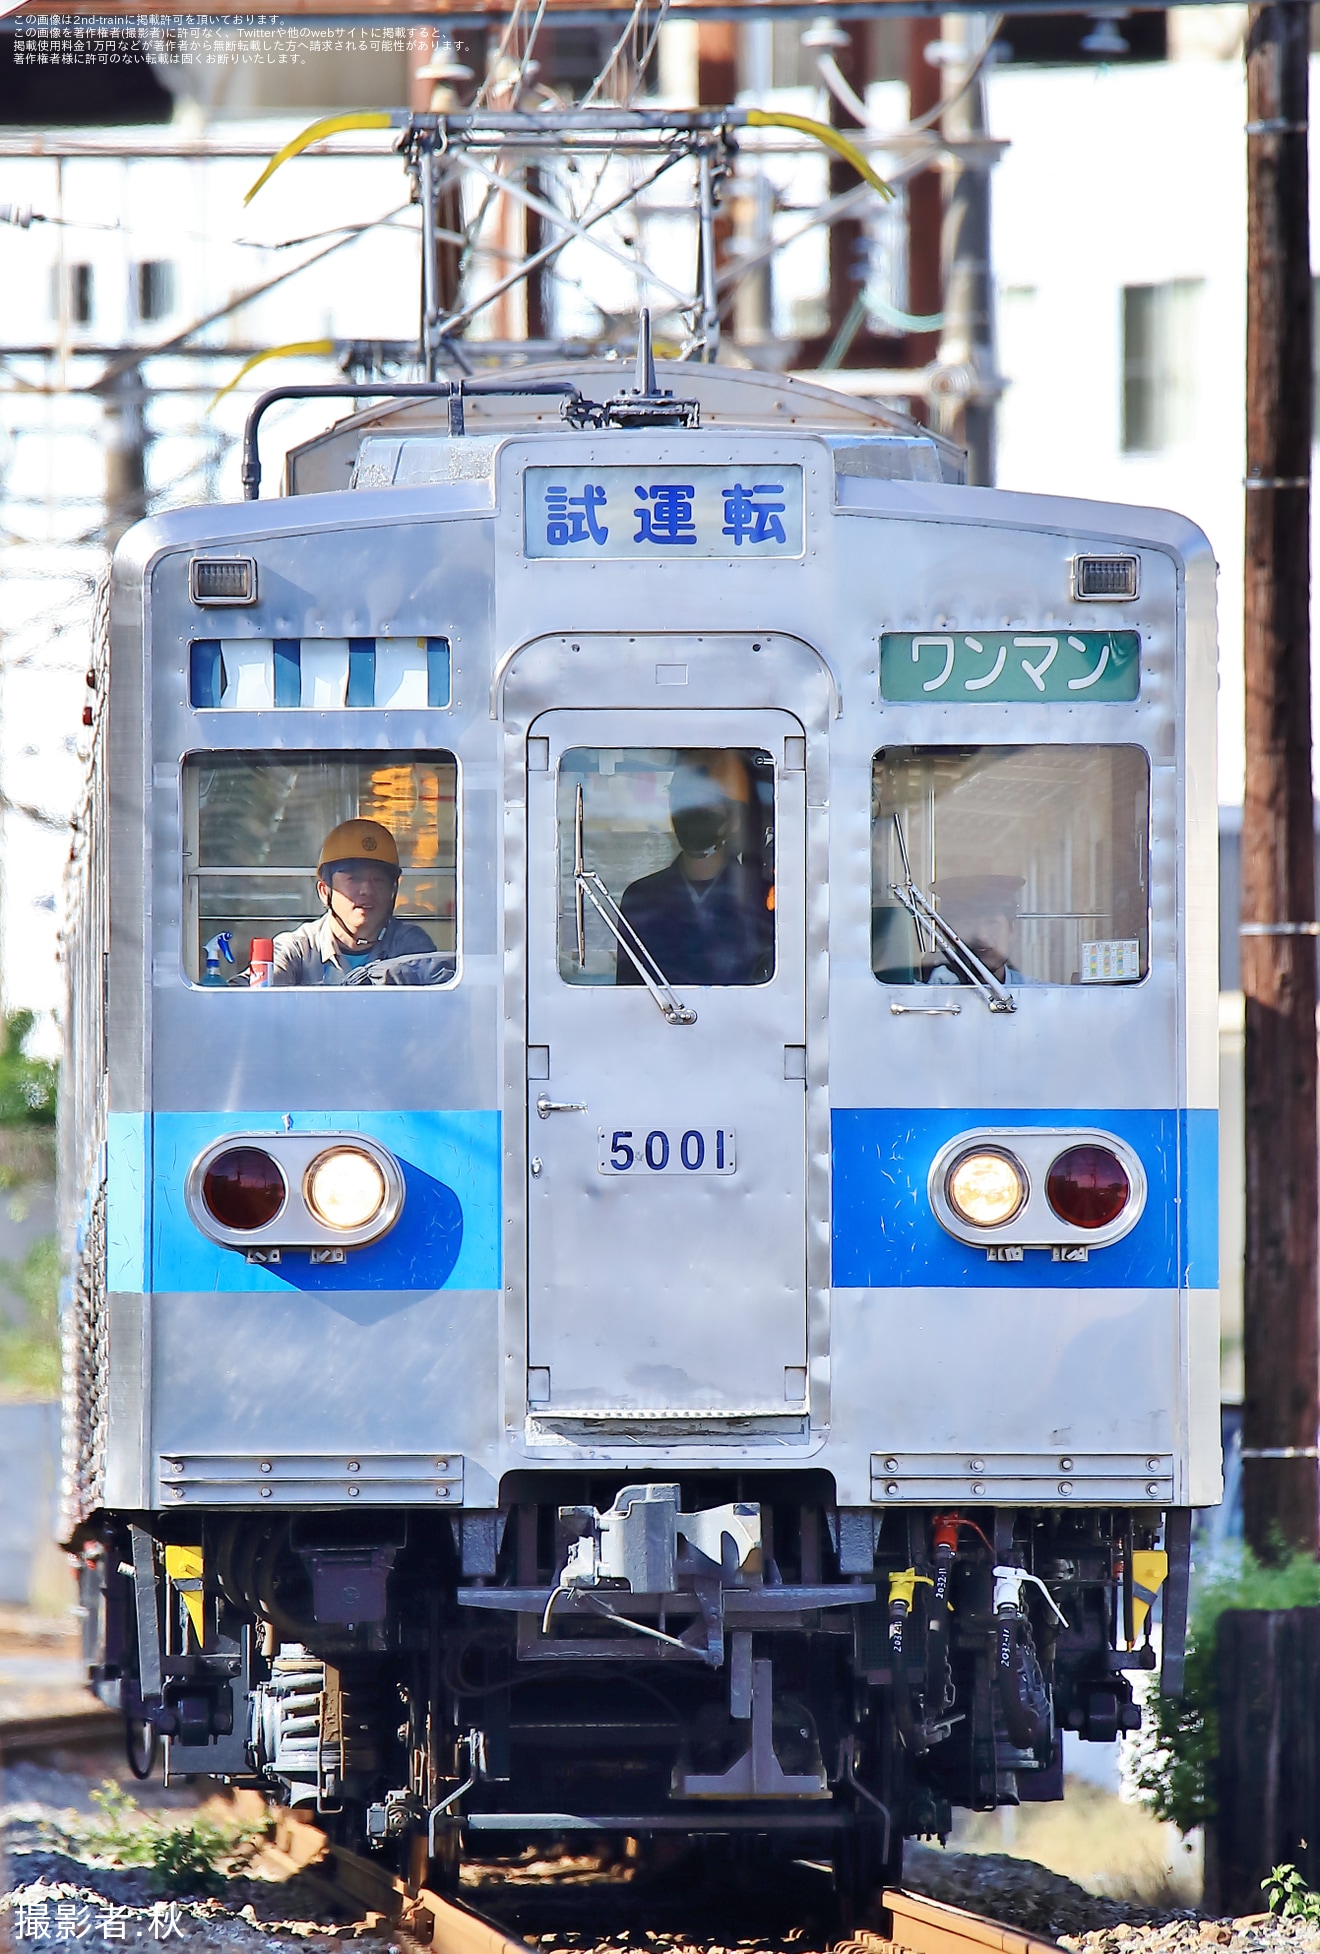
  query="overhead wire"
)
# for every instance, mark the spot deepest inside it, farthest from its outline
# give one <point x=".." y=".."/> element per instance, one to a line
<point x="482" y="95"/>
<point x="526" y="62"/>
<point x="125" y="362"/>
<point x="847" y="97"/>
<point x="598" y="84"/>
<point x="557" y="245"/>
<point x="644" y="59"/>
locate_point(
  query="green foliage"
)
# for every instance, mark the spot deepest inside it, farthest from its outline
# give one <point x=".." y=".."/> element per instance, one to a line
<point x="30" y="1350"/>
<point x="183" y="1856"/>
<point x="1288" y="1894"/>
<point x="28" y="1086"/>
<point x="1175" y="1754"/>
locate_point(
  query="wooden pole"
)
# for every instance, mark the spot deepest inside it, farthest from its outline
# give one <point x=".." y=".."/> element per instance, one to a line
<point x="1281" y="1409"/>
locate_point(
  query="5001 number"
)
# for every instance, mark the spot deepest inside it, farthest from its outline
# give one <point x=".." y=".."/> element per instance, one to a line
<point x="642" y="1152"/>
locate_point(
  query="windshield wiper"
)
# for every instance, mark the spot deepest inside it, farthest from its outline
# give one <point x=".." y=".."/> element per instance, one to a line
<point x="944" y="936"/>
<point x="588" y="887"/>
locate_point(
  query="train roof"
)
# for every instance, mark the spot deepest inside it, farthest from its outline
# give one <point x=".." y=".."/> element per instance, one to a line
<point x="395" y="442"/>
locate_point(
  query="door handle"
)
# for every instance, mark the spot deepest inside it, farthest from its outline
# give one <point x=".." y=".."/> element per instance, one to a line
<point x="545" y="1105"/>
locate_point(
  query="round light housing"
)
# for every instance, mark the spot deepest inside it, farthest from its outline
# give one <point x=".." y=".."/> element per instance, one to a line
<point x="985" y="1187"/>
<point x="243" y="1188"/>
<point x="1088" y="1187"/>
<point x="345" y="1188"/>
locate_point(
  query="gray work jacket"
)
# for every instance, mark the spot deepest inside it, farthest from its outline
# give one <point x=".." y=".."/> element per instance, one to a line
<point x="311" y="955"/>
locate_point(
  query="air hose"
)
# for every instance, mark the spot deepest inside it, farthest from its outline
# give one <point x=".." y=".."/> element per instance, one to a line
<point x="829" y="137"/>
<point x="328" y="125"/>
<point x="902" y="1596"/>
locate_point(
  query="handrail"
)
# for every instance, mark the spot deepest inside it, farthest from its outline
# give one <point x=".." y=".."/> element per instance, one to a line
<point x="453" y="391"/>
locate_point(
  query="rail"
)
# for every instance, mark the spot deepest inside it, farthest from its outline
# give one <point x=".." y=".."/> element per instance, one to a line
<point x="80" y="1729"/>
<point x="919" y="1926"/>
<point x="351" y="1881"/>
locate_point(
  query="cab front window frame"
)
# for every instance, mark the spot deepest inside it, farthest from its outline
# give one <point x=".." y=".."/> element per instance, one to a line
<point x="302" y="795"/>
<point x="1036" y="856"/>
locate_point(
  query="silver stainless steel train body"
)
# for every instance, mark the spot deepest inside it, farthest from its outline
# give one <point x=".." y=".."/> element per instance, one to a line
<point x="723" y="1331"/>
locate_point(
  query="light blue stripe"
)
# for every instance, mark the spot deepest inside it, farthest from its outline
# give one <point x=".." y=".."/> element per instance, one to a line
<point x="1200" y="1195"/>
<point x="453" y="1168"/>
<point x="126" y="1203"/>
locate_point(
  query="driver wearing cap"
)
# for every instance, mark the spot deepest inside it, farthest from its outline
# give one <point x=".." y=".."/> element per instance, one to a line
<point x="984" y="911"/>
<point x="707" y="918"/>
<point x="357" y="878"/>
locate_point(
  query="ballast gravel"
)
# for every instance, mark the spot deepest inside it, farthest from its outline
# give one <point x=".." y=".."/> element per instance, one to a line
<point x="1250" y="1933"/>
<point x="1018" y="1893"/>
<point x="52" y="1894"/>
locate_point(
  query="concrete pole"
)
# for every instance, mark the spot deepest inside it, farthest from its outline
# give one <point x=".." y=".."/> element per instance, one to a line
<point x="125" y="453"/>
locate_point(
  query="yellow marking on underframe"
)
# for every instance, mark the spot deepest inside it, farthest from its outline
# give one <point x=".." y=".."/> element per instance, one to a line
<point x="1150" y="1569"/>
<point x="184" y="1565"/>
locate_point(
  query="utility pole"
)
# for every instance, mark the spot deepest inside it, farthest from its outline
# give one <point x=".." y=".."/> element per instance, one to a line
<point x="925" y="291"/>
<point x="966" y="366"/>
<point x="125" y="453"/>
<point x="848" y="246"/>
<point x="1281" y="1409"/>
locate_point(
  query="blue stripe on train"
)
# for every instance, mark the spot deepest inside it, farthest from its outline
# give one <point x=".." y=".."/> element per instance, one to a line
<point x="886" y="1236"/>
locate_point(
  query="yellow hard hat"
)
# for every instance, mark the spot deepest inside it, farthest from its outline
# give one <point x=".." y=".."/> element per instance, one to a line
<point x="358" y="841"/>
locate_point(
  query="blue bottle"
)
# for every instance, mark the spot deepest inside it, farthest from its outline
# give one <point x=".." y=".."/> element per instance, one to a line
<point x="217" y="947"/>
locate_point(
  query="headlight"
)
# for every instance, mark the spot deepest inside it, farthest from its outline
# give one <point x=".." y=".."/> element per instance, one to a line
<point x="1088" y="1187"/>
<point x="345" y="1188"/>
<point x="243" y="1188"/>
<point x="985" y="1187"/>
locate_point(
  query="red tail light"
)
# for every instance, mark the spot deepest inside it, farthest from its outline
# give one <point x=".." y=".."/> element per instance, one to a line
<point x="1088" y="1187"/>
<point x="244" y="1188"/>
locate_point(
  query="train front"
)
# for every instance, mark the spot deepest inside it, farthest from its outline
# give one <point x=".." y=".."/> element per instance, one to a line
<point x="646" y="1260"/>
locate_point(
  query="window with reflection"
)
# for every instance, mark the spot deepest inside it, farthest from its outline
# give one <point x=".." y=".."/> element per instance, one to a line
<point x="680" y="844"/>
<point x="1035" y="857"/>
<point x="319" y="869"/>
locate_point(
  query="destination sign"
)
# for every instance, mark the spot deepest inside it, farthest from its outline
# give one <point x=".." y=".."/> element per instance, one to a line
<point x="745" y="513"/>
<point x="1010" y="667"/>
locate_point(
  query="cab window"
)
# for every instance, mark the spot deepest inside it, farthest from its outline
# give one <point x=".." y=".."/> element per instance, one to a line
<point x="1036" y="856"/>
<point x="344" y="864"/>
<point x="680" y="844"/>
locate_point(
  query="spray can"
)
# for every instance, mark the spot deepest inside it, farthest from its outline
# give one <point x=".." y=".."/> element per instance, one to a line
<point x="261" y="962"/>
<point x="217" y="947"/>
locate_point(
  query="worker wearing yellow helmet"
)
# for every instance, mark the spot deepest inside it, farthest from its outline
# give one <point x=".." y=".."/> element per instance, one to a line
<point x="357" y="879"/>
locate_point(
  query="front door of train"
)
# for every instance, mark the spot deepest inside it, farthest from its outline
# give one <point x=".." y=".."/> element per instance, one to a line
<point x="666" y="1102"/>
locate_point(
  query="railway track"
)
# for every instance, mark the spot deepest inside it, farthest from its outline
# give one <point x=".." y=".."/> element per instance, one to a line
<point x="908" y="1923"/>
<point x="350" y="1881"/>
<point x="87" y="1729"/>
<point x="375" y="1897"/>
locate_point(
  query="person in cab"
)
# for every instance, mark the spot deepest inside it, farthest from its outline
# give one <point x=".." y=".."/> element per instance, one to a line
<point x="709" y="917"/>
<point x="358" y="938"/>
<point x="983" y="909"/>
